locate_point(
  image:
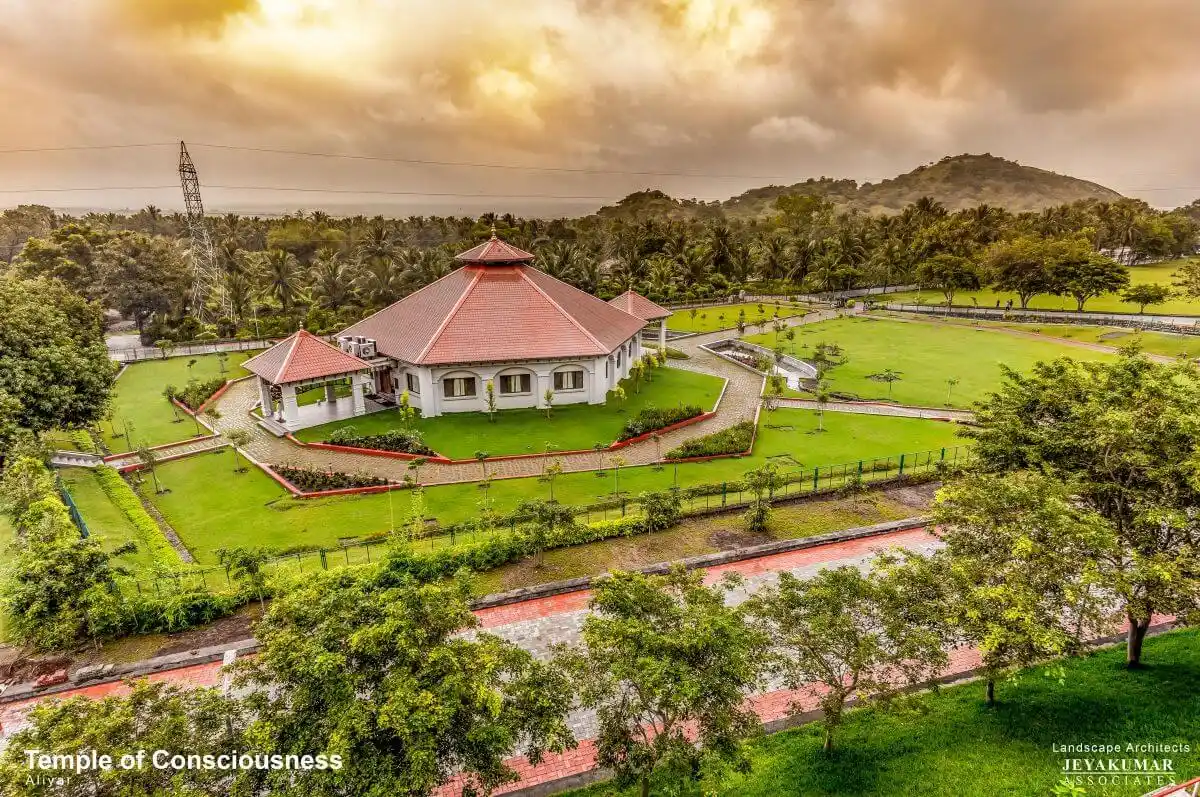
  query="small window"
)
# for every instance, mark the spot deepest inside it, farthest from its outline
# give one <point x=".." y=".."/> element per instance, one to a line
<point x="618" y="359"/>
<point x="459" y="386"/>
<point x="414" y="384"/>
<point x="568" y="380"/>
<point x="516" y="383"/>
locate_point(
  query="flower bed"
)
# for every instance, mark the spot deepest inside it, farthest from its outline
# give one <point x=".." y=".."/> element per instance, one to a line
<point x="313" y="480"/>
<point x="653" y="418"/>
<point x="404" y="441"/>
<point x="734" y="440"/>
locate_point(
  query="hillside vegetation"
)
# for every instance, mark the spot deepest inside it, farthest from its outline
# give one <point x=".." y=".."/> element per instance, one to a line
<point x="957" y="182"/>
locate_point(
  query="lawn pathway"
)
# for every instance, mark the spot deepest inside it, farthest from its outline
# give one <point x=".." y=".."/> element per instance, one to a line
<point x="739" y="403"/>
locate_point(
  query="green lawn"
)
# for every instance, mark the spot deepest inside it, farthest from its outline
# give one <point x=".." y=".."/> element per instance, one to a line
<point x="951" y="745"/>
<point x="925" y="354"/>
<point x="105" y="521"/>
<point x="1109" y="302"/>
<point x="1164" y="343"/>
<point x="251" y="509"/>
<point x="725" y="316"/>
<point x="138" y="403"/>
<point x="570" y="427"/>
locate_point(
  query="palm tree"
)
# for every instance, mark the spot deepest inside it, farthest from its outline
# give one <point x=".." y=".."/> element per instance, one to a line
<point x="380" y="282"/>
<point x="280" y="275"/>
<point x="332" y="280"/>
<point x="560" y="259"/>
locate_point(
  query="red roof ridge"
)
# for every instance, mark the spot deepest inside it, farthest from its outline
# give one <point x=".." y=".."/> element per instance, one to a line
<point x="452" y="273"/>
<point x="462" y="297"/>
<point x="564" y="313"/>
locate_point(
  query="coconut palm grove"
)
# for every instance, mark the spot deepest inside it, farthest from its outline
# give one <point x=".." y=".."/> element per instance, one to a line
<point x="474" y="420"/>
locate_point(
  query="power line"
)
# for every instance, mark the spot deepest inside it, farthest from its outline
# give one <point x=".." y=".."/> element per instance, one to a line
<point x="304" y="189"/>
<point x="86" y="147"/>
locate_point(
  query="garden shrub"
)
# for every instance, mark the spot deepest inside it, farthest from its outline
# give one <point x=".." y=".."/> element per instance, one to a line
<point x="660" y="510"/>
<point x="196" y="392"/>
<point x="734" y="440"/>
<point x="124" y="498"/>
<point x="313" y="480"/>
<point x="653" y="418"/>
<point x="406" y="441"/>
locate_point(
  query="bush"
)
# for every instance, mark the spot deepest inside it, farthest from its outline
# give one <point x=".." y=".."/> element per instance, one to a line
<point x="653" y="418"/>
<point x="734" y="440"/>
<point x="124" y="498"/>
<point x="675" y="354"/>
<point x="313" y="480"/>
<point x="660" y="510"/>
<point x="196" y="393"/>
<point x="406" y="441"/>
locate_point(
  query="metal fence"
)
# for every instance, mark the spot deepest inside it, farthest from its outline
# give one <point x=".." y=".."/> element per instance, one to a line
<point x="76" y="517"/>
<point x="1188" y="325"/>
<point x="696" y="500"/>
<point x="139" y="353"/>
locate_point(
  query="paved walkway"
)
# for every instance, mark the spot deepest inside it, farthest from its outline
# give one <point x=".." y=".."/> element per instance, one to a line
<point x="741" y="399"/>
<point x="537" y="624"/>
<point x="872" y="408"/>
<point x="170" y="451"/>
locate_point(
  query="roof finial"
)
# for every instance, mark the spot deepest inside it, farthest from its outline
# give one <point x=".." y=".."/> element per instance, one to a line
<point x="493" y="230"/>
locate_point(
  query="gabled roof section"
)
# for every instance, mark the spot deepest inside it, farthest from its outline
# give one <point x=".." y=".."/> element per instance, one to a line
<point x="639" y="306"/>
<point x="494" y="251"/>
<point x="302" y="356"/>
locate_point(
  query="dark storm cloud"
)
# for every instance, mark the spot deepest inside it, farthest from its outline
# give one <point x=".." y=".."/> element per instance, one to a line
<point x="865" y="88"/>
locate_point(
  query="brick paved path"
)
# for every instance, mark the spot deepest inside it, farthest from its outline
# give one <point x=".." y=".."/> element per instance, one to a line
<point x="739" y="403"/>
<point x="181" y="449"/>
<point x="871" y="408"/>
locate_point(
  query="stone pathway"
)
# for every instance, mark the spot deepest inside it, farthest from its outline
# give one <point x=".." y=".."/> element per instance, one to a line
<point x="870" y="408"/>
<point x="170" y="451"/>
<point x="741" y="400"/>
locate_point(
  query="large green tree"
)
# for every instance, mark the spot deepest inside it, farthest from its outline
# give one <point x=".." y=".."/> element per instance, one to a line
<point x="1123" y="438"/>
<point x="667" y="667"/>
<point x="837" y="636"/>
<point x="949" y="274"/>
<point x="54" y="366"/>
<point x="1081" y="273"/>
<point x="144" y="276"/>
<point x="377" y="671"/>
<point x="1021" y="266"/>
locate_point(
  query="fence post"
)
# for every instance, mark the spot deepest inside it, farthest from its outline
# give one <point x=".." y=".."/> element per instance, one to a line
<point x="324" y="561"/>
<point x="860" y="470"/>
<point x="724" y="489"/>
<point x="943" y="453"/>
<point x="816" y="478"/>
<point x="901" y="465"/>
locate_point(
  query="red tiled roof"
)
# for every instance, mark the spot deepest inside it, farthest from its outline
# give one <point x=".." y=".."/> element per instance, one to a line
<point x="496" y="313"/>
<point x="302" y="356"/>
<point x="639" y="306"/>
<point x="494" y="250"/>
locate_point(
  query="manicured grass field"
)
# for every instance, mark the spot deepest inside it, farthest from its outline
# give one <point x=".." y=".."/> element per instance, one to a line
<point x="725" y="316"/>
<point x="212" y="507"/>
<point x="138" y="403"/>
<point x="1109" y="302"/>
<point x="951" y="745"/>
<point x="925" y="354"/>
<point x="105" y="521"/>
<point x="1164" y="343"/>
<point x="569" y="427"/>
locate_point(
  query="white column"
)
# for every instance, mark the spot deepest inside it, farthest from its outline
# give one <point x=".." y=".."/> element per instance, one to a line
<point x="290" y="409"/>
<point x="357" y="382"/>
<point x="430" y="405"/>
<point x="264" y="395"/>
<point x="662" y="334"/>
<point x="330" y="392"/>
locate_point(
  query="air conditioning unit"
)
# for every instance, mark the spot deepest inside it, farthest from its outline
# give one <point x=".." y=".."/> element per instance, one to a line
<point x="366" y="348"/>
<point x="346" y="343"/>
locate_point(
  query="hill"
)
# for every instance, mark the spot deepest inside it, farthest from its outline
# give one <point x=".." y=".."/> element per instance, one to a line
<point x="959" y="181"/>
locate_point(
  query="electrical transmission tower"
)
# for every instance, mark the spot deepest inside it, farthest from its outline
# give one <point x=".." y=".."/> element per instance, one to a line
<point x="208" y="287"/>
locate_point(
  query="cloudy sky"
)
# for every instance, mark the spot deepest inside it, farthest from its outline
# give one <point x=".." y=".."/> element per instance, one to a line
<point x="723" y="95"/>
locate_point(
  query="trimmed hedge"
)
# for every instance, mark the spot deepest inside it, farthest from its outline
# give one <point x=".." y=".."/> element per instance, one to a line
<point x="196" y="393"/>
<point x="405" y="441"/>
<point x="734" y="440"/>
<point x="313" y="480"/>
<point x="654" y="418"/>
<point x="124" y="498"/>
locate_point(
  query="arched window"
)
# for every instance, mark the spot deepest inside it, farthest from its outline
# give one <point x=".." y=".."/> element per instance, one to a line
<point x="515" y="383"/>
<point x="460" y="386"/>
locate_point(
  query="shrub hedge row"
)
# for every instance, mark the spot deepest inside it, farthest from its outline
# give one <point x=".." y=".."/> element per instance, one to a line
<point x="406" y="441"/>
<point x="653" y="418"/>
<point x="734" y="440"/>
<point x="124" y="498"/>
<point x="313" y="480"/>
<point x="196" y="393"/>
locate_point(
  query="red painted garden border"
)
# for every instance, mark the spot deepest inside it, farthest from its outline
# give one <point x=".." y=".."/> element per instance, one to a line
<point x="735" y="454"/>
<point x="139" y="465"/>
<point x="298" y="493"/>
<point x="196" y="439"/>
